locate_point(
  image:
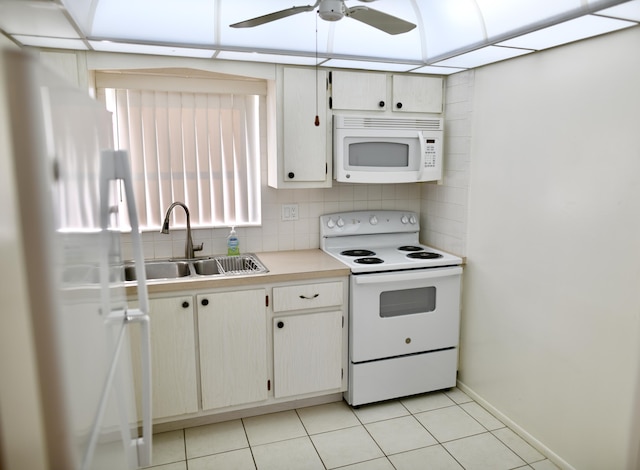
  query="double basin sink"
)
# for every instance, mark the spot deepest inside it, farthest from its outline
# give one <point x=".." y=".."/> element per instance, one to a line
<point x="211" y="266"/>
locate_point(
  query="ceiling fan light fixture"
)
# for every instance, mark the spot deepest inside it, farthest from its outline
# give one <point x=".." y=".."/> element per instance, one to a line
<point x="331" y="10"/>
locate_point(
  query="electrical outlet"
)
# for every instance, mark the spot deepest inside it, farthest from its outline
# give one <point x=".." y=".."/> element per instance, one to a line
<point x="289" y="211"/>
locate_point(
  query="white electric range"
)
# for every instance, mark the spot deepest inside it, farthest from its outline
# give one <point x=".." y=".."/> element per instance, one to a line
<point x="404" y="304"/>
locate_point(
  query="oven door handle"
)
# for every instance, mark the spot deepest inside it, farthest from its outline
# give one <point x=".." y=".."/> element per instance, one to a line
<point x="408" y="275"/>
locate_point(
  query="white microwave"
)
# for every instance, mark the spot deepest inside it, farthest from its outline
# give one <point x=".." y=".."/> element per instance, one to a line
<point x="376" y="149"/>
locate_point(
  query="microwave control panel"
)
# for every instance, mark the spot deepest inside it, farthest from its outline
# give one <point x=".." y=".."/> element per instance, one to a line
<point x="429" y="152"/>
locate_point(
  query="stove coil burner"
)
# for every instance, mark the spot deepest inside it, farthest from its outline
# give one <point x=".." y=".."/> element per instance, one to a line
<point x="424" y="255"/>
<point x="358" y="253"/>
<point x="410" y="248"/>
<point x="368" y="260"/>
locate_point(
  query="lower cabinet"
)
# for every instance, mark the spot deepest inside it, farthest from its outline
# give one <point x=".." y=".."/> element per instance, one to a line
<point x="217" y="351"/>
<point x="307" y="353"/>
<point x="232" y="330"/>
<point x="173" y="357"/>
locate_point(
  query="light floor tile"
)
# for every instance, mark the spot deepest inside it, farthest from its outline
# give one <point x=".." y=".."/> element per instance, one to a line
<point x="450" y="423"/>
<point x="482" y="416"/>
<point x="293" y="454"/>
<point x="171" y="466"/>
<point x="168" y="447"/>
<point x="215" y="438"/>
<point x="544" y="465"/>
<point x="427" y="402"/>
<point x="235" y="460"/>
<point x="400" y="435"/>
<point x="428" y="458"/>
<point x="458" y="395"/>
<point x="329" y="417"/>
<point x="380" y="411"/>
<point x="377" y="464"/>
<point x="346" y="447"/>
<point x="273" y="427"/>
<point x="518" y="445"/>
<point x="483" y="452"/>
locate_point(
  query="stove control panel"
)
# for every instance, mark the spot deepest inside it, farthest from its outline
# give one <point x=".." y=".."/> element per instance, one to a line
<point x="368" y="222"/>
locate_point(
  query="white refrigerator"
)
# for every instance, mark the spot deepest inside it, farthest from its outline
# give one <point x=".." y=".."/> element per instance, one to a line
<point x="65" y="327"/>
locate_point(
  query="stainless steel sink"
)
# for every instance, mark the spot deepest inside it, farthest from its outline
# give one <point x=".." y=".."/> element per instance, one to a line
<point x="247" y="263"/>
<point x="207" y="267"/>
<point x="160" y="270"/>
<point x="89" y="274"/>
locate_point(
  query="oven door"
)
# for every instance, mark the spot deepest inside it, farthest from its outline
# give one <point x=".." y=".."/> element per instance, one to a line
<point x="404" y="312"/>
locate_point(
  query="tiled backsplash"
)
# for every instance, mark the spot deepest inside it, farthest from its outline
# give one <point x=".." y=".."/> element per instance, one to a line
<point x="278" y="235"/>
<point x="442" y="207"/>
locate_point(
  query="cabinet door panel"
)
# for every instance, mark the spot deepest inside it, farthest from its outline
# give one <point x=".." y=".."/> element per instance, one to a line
<point x="417" y="94"/>
<point x="233" y="349"/>
<point x="173" y="357"/>
<point x="359" y="91"/>
<point x="307" y="351"/>
<point x="305" y="144"/>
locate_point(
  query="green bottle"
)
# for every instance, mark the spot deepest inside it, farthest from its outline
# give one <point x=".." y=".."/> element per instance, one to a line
<point x="233" y="244"/>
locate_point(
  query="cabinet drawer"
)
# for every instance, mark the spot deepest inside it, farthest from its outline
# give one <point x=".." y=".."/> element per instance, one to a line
<point x="305" y="296"/>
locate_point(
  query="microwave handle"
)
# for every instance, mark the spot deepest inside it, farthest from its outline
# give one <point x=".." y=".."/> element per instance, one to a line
<point x="422" y="155"/>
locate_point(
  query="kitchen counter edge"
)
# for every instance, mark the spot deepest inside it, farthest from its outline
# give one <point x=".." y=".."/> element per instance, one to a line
<point x="283" y="266"/>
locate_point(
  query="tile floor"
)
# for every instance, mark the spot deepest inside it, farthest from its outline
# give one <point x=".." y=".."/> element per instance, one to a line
<point x="439" y="431"/>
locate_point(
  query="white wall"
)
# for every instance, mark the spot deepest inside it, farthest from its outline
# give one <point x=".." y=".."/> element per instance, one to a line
<point x="551" y="303"/>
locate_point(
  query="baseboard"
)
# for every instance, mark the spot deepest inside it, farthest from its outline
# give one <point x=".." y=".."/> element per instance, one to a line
<point x="532" y="441"/>
<point x="245" y="413"/>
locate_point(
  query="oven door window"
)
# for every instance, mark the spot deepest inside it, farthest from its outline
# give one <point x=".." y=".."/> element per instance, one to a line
<point x="398" y="303"/>
<point x="379" y="154"/>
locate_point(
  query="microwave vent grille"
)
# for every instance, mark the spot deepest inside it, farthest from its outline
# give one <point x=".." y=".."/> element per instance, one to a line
<point x="371" y="122"/>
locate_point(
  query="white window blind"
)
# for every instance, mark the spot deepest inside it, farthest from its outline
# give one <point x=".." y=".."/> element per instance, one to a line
<point x="201" y="149"/>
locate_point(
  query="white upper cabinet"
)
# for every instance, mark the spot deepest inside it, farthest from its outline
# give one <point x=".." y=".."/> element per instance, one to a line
<point x="359" y="91"/>
<point x="299" y="150"/>
<point x="416" y="94"/>
<point x="365" y="91"/>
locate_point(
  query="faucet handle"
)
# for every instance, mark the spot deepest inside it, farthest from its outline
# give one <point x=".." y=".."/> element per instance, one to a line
<point x="198" y="247"/>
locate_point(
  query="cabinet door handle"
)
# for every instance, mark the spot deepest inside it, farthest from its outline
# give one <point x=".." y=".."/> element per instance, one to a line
<point x="280" y="324"/>
<point x="381" y="104"/>
<point x="399" y="105"/>
<point x="309" y="298"/>
<point x="291" y="175"/>
<point x="185" y="304"/>
<point x="205" y="302"/>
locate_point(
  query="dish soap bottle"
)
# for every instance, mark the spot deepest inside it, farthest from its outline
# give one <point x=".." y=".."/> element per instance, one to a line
<point x="233" y="244"/>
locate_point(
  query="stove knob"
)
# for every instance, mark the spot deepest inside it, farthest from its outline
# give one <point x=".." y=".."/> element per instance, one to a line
<point x="331" y="223"/>
<point x="404" y="219"/>
<point x="373" y="220"/>
<point x="340" y="222"/>
<point x="413" y="219"/>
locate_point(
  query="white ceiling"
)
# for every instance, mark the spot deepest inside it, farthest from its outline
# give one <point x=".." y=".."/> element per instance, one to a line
<point x="451" y="35"/>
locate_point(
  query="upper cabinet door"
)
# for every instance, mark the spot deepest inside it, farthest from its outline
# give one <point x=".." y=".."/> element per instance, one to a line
<point x="366" y="91"/>
<point x="299" y="150"/>
<point x="415" y="94"/>
<point x="359" y="91"/>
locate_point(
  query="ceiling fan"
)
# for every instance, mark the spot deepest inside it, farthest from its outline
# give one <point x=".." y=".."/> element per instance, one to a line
<point x="334" y="10"/>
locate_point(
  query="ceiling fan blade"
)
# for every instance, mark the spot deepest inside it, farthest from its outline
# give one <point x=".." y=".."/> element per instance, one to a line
<point x="383" y="21"/>
<point x="273" y="16"/>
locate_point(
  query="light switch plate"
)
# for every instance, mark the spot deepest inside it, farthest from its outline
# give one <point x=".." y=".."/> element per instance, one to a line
<point x="289" y="211"/>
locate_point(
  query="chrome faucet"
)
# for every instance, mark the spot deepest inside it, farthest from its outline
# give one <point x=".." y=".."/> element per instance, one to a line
<point x="189" y="248"/>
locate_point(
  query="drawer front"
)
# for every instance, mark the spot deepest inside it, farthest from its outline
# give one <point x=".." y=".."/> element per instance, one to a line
<point x="300" y="297"/>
